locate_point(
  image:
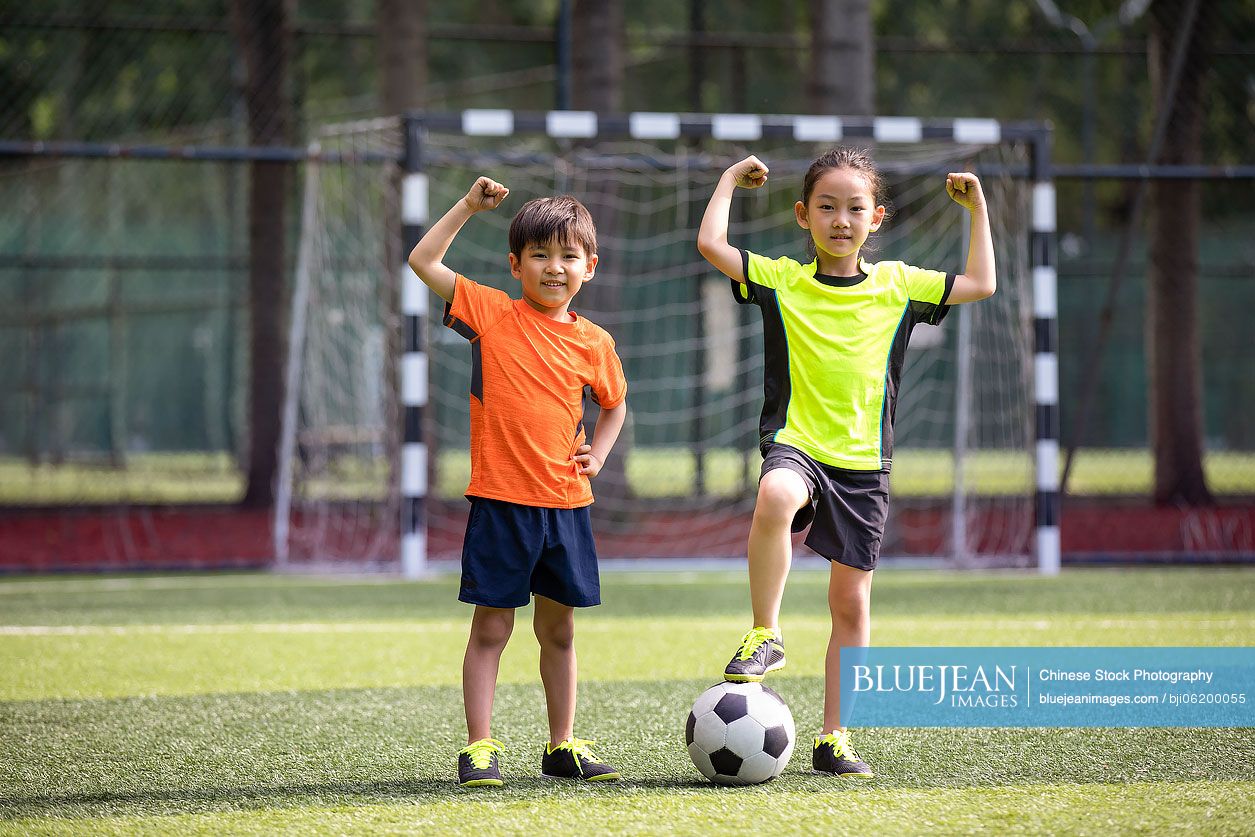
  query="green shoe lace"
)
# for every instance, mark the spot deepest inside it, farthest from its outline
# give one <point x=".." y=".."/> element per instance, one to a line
<point x="753" y="640"/>
<point x="480" y="752"/>
<point x="840" y="741"/>
<point x="580" y="747"/>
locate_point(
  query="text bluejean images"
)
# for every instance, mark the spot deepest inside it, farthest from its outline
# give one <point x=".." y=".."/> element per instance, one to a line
<point x="1048" y="687"/>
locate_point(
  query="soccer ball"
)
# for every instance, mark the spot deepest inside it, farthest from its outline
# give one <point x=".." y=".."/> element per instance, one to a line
<point x="740" y="734"/>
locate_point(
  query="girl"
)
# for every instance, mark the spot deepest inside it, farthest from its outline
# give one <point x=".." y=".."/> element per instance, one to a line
<point x="835" y="333"/>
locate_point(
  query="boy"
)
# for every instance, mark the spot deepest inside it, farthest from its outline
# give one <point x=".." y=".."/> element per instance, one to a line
<point x="528" y="533"/>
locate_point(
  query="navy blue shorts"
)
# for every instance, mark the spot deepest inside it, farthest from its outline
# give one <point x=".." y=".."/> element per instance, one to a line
<point x="512" y="551"/>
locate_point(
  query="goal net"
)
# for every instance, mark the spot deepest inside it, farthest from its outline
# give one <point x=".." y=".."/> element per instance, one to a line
<point x="337" y="501"/>
<point x="682" y="480"/>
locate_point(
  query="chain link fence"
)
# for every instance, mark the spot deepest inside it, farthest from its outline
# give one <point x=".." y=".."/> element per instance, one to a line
<point x="124" y="282"/>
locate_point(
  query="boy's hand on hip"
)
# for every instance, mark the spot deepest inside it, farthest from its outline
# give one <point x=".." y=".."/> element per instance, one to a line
<point x="485" y="194"/>
<point x="964" y="189"/>
<point x="750" y="173"/>
<point x="590" y="465"/>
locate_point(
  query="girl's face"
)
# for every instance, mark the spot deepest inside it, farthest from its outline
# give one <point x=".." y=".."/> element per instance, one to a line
<point x="840" y="213"/>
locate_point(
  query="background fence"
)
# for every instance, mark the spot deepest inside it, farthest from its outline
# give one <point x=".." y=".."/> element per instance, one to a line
<point x="124" y="327"/>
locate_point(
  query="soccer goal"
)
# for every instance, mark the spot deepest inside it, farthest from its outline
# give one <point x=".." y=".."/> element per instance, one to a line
<point x="376" y="453"/>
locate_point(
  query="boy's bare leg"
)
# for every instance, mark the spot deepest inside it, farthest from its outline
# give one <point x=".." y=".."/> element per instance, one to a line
<point x="490" y="630"/>
<point x="849" y="600"/>
<point x="780" y="494"/>
<point x="555" y="631"/>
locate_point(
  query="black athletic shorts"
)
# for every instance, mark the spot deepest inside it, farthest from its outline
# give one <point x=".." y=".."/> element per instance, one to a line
<point x="847" y="510"/>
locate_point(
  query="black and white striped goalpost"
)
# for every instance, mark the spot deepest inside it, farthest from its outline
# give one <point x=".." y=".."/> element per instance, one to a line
<point x="412" y="377"/>
<point x="741" y="128"/>
<point x="1045" y="357"/>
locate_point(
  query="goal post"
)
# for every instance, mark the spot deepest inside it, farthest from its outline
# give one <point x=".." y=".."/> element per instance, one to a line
<point x="1045" y="280"/>
<point x="977" y="426"/>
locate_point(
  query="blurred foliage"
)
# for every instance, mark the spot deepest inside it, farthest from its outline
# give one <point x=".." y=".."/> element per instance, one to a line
<point x="106" y="70"/>
<point x="167" y="71"/>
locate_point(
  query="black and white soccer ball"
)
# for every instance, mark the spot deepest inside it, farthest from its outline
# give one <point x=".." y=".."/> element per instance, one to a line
<point x="740" y="734"/>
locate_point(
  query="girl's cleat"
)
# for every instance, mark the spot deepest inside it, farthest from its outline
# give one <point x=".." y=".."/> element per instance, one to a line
<point x="761" y="651"/>
<point x="834" y="754"/>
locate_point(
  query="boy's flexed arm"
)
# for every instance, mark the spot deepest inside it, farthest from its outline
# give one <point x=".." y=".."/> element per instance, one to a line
<point x="427" y="257"/>
<point x="592" y="457"/>
<point x="712" y="238"/>
<point x="979" y="279"/>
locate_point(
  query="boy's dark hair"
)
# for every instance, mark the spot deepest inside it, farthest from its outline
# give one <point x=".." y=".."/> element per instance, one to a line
<point x="844" y="157"/>
<point x="544" y="219"/>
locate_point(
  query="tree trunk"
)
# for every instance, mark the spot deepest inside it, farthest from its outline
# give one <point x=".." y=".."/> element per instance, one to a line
<point x="841" y="78"/>
<point x="597" y="85"/>
<point x="401" y="27"/>
<point x="697" y="57"/>
<point x="402" y="32"/>
<point x="262" y="32"/>
<point x="1172" y="340"/>
<point x="597" y="55"/>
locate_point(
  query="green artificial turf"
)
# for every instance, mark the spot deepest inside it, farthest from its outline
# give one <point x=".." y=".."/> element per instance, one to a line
<point x="271" y="704"/>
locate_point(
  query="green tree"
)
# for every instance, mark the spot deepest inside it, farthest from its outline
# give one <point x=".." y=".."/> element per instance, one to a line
<point x="597" y="55"/>
<point x="401" y="27"/>
<point x="597" y="51"/>
<point x="1172" y="341"/>
<point x="402" y="31"/>
<point x="841" y="78"/>
<point x="263" y="31"/>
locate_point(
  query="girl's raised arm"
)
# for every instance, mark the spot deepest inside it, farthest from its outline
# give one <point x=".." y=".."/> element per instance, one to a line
<point x="979" y="279"/>
<point x="712" y="238"/>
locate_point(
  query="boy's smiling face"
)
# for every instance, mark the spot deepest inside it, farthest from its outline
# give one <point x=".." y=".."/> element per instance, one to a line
<point x="552" y="273"/>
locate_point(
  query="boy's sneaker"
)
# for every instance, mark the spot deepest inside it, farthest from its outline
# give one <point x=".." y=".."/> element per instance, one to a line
<point x="479" y="764"/>
<point x="761" y="651"/>
<point x="574" y="759"/>
<point x="834" y="754"/>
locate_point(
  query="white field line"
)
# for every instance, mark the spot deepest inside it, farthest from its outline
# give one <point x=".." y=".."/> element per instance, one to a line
<point x="623" y="572"/>
<point x="129" y="585"/>
<point x="273" y="628"/>
<point x="607" y="626"/>
<point x="617" y="572"/>
<point x="611" y="625"/>
<point x="1150" y="621"/>
<point x="126" y="585"/>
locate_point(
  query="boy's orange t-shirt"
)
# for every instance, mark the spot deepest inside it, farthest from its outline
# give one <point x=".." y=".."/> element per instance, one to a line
<point x="528" y="380"/>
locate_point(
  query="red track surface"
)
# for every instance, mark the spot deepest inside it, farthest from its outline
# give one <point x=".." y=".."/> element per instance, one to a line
<point x="168" y="537"/>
